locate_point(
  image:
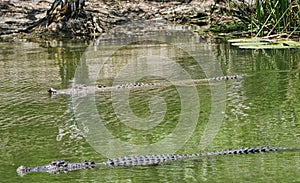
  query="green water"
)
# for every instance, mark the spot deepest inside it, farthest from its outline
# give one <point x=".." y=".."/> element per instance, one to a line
<point x="262" y="109"/>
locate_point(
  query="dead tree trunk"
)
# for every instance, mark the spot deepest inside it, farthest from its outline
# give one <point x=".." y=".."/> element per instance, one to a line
<point x="65" y="9"/>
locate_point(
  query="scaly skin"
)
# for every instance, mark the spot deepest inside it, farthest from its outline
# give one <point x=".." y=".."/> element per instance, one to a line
<point x="82" y="89"/>
<point x="141" y="160"/>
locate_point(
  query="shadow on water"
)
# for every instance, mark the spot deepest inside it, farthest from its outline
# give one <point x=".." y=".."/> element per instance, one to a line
<point x="262" y="109"/>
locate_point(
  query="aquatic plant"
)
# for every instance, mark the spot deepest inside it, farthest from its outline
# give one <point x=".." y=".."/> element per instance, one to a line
<point x="267" y="17"/>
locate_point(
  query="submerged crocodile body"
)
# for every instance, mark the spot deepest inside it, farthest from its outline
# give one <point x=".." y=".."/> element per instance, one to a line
<point x="141" y="160"/>
<point x="79" y="89"/>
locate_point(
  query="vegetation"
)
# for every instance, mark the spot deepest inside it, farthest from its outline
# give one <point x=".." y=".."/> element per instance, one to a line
<point x="269" y="17"/>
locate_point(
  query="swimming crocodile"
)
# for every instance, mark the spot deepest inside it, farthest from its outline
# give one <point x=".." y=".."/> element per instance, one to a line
<point x="141" y="160"/>
<point x="78" y="89"/>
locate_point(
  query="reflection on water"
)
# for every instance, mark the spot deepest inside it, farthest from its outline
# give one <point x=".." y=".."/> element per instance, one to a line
<point x="236" y="96"/>
<point x="262" y="109"/>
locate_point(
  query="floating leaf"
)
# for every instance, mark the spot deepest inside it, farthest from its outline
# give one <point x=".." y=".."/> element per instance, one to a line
<point x="257" y="43"/>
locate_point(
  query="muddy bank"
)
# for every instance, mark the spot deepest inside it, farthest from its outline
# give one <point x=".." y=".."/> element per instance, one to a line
<point x="27" y="17"/>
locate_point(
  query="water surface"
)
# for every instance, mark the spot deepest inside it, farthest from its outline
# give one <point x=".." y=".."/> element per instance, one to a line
<point x="261" y="109"/>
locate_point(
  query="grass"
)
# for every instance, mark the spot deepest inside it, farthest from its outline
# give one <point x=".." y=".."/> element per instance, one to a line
<point x="269" y="17"/>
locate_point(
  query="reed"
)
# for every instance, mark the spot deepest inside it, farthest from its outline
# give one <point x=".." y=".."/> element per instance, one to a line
<point x="269" y="17"/>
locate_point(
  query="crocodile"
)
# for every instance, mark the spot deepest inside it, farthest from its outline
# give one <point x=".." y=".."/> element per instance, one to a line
<point x="77" y="89"/>
<point x="140" y="160"/>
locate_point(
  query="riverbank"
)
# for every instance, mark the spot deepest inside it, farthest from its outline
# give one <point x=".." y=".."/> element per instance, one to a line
<point x="45" y="18"/>
<point x="25" y="18"/>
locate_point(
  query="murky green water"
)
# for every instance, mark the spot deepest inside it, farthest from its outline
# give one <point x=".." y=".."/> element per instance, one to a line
<point x="261" y="109"/>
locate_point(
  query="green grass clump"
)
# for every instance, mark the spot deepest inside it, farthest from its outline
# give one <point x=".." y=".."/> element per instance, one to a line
<point x="269" y="17"/>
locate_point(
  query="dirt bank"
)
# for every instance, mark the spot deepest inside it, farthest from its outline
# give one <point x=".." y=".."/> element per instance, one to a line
<point x="29" y="17"/>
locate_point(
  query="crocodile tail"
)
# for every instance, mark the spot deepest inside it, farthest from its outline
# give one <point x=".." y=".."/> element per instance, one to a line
<point x="250" y="150"/>
<point x="246" y="150"/>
